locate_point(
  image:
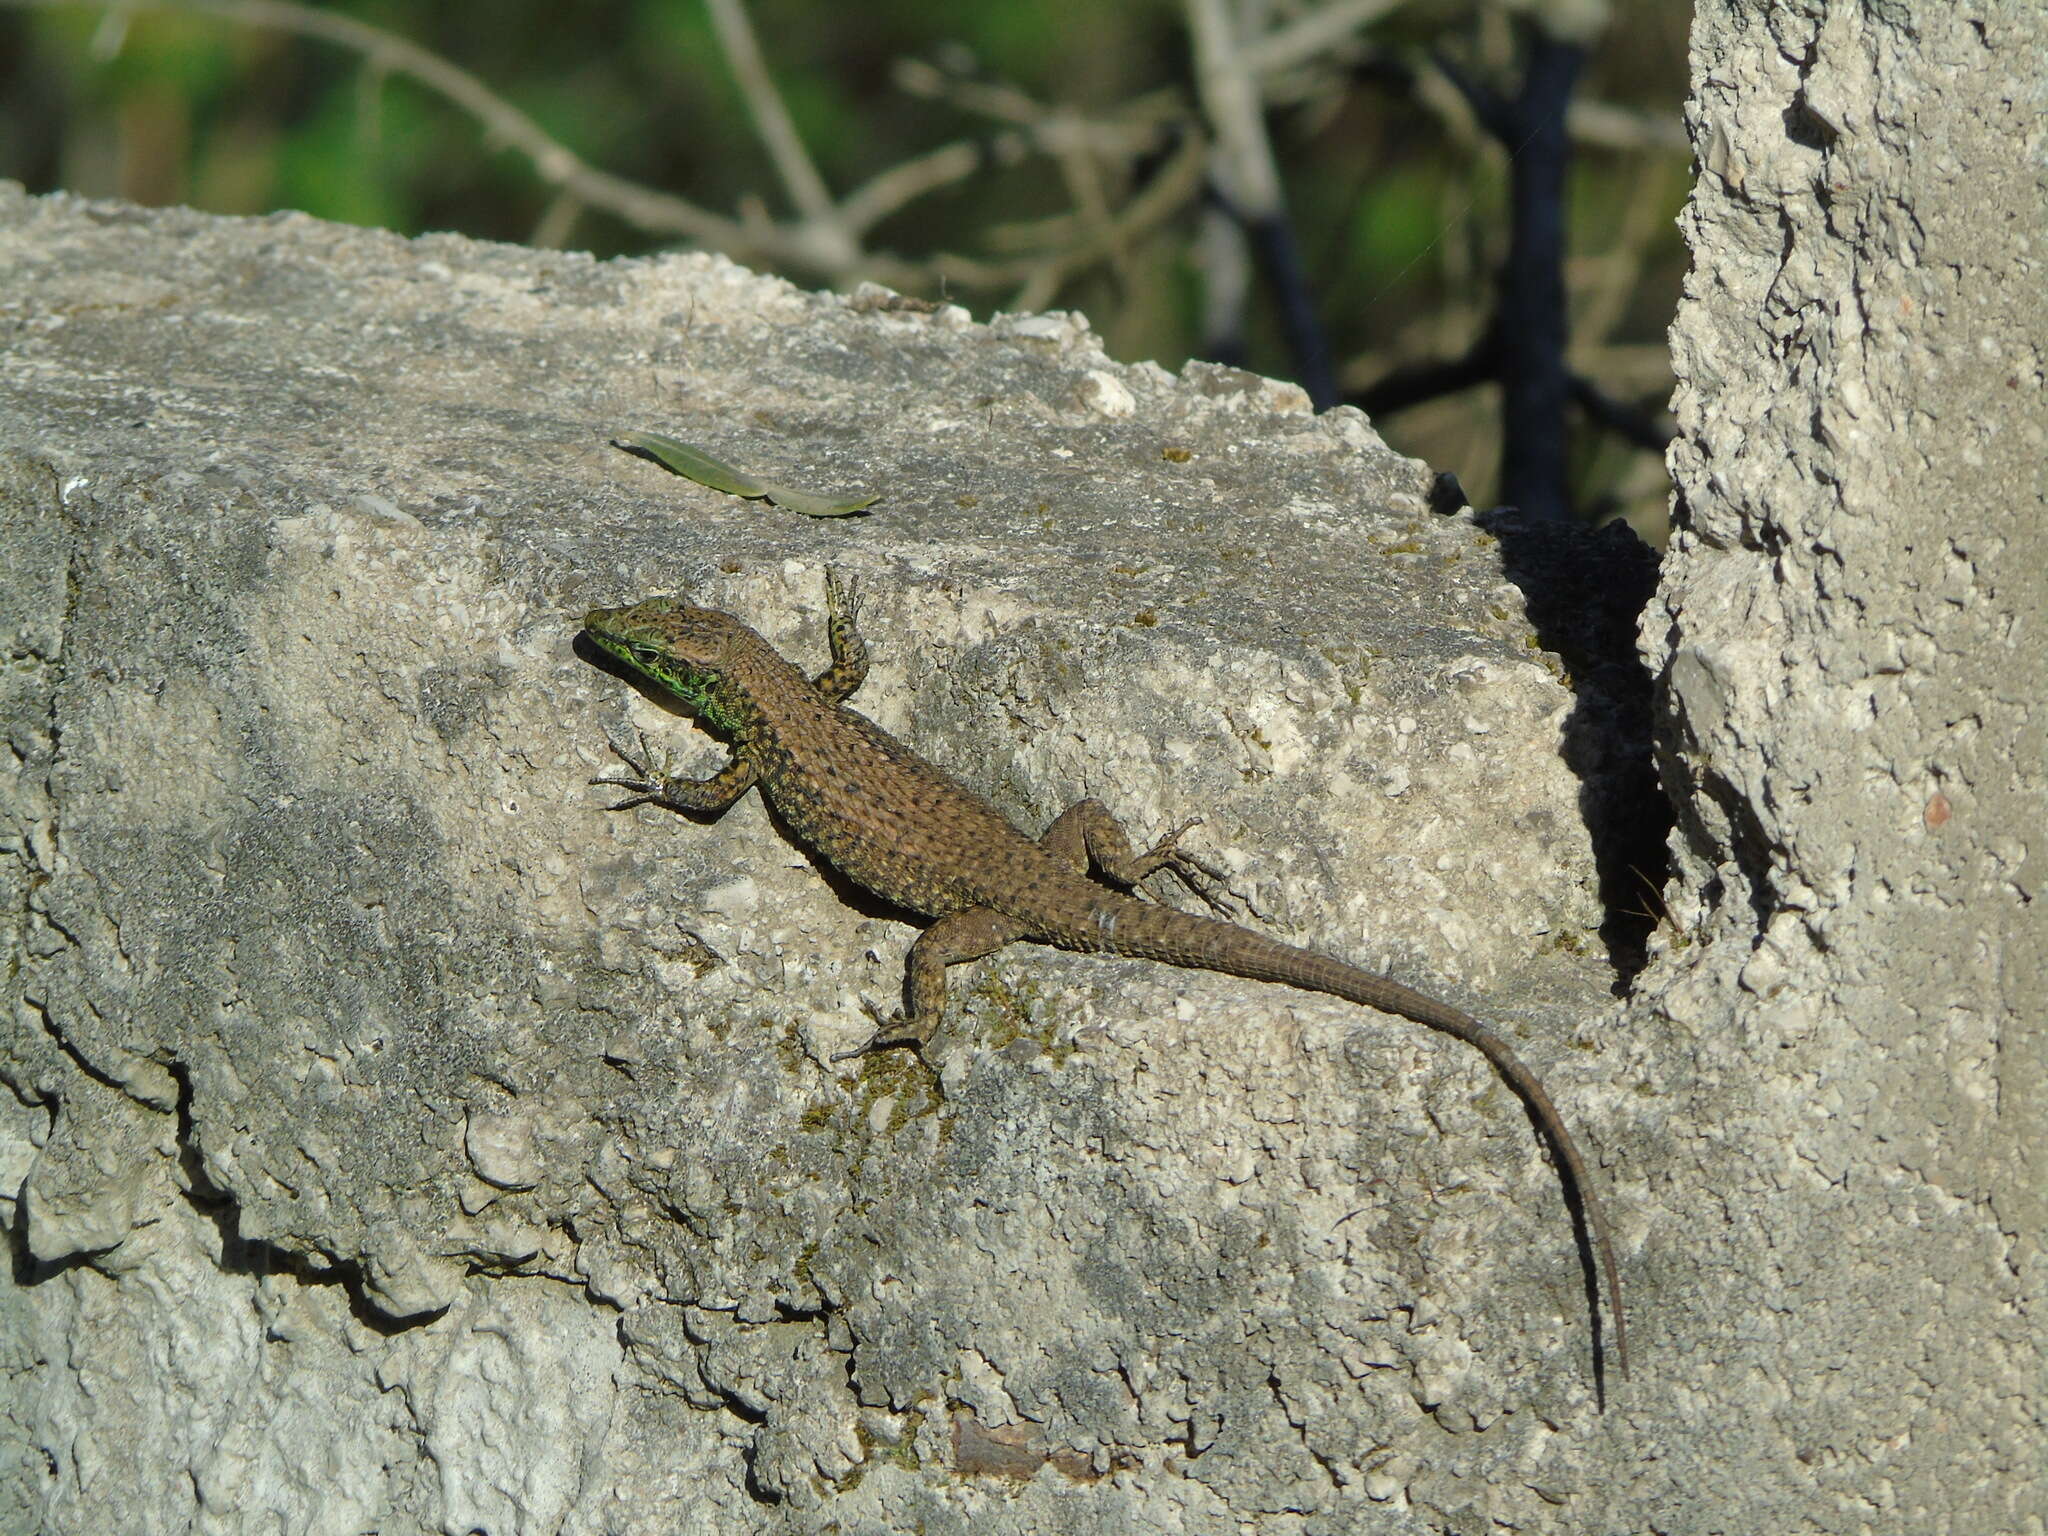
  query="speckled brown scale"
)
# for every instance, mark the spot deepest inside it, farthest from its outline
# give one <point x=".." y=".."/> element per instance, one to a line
<point x="893" y="823"/>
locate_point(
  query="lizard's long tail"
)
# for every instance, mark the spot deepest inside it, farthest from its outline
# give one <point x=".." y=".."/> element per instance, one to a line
<point x="1149" y="932"/>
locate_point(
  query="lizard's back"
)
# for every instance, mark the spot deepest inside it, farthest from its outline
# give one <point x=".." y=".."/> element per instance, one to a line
<point x="886" y="818"/>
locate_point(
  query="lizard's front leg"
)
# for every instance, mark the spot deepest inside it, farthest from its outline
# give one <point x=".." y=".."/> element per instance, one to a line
<point x="849" y="667"/>
<point x="953" y="939"/>
<point x="654" y="783"/>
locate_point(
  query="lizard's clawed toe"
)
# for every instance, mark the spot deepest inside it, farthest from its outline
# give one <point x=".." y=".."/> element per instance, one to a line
<point x="880" y="1040"/>
<point x="843" y="596"/>
<point x="649" y="779"/>
<point x="892" y="1029"/>
<point x="1207" y="882"/>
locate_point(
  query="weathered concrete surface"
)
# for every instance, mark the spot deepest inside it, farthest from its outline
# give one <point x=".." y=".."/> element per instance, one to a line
<point x="1849" y="640"/>
<point x="399" y="1141"/>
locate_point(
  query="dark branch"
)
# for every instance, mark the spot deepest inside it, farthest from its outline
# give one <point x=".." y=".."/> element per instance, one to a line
<point x="1647" y="431"/>
<point x="1279" y="259"/>
<point x="1421" y="382"/>
<point x="1534" y="383"/>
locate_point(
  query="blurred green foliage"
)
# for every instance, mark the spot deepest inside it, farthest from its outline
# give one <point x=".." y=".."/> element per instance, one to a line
<point x="1399" y="214"/>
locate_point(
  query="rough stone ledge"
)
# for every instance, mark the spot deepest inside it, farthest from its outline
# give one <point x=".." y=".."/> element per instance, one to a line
<point x="398" y="1140"/>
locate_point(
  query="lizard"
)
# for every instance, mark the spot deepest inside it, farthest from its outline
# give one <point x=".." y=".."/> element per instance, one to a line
<point x="911" y="834"/>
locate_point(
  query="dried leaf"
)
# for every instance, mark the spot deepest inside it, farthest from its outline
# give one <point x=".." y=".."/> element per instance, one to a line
<point x="695" y="464"/>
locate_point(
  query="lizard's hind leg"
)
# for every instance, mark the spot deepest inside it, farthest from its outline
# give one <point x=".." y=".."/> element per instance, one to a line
<point x="1086" y="834"/>
<point x="953" y="939"/>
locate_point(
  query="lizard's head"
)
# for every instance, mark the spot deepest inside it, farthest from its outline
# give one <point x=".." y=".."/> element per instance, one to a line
<point x="684" y="648"/>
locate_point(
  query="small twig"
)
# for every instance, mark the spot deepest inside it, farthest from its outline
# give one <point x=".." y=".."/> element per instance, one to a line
<point x="1246" y="173"/>
<point x="876" y="199"/>
<point x="1247" y="180"/>
<point x="1603" y="125"/>
<point x="1133" y="130"/>
<point x="1654" y="910"/>
<point x="1003" y="102"/>
<point x="826" y="247"/>
<point x="1225" y="263"/>
<point x="1082" y="174"/>
<point x="1082" y="147"/>
<point x="503" y="123"/>
<point x="552" y="230"/>
<point x="1308" y="37"/>
<point x="772" y="122"/>
<point x="1652" y="433"/>
<point x="1170" y="190"/>
<point x="1418" y="383"/>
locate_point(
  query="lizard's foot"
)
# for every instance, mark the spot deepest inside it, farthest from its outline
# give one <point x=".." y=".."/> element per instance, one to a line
<point x="1205" y="880"/>
<point x="843" y="600"/>
<point x="890" y="1030"/>
<point x="650" y="779"/>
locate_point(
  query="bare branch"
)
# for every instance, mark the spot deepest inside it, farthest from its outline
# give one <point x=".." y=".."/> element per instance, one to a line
<point x="503" y="123"/>
<point x="1223" y="257"/>
<point x="1134" y="128"/>
<point x="1230" y="98"/>
<point x="772" y="122"/>
<point x="1607" y="126"/>
<point x="1096" y="156"/>
<point x="1308" y="37"/>
<point x="1648" y="430"/>
<point x="1004" y="103"/>
<point x="1249" y="180"/>
<point x="1176" y="184"/>
<point x="875" y="200"/>
<point x="557" y="220"/>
